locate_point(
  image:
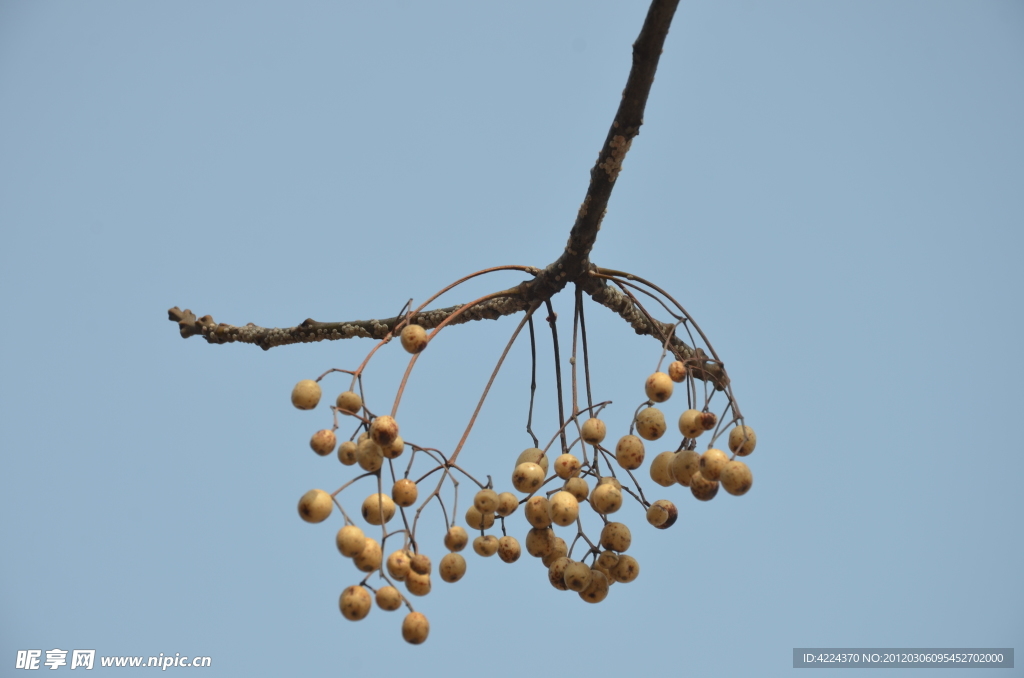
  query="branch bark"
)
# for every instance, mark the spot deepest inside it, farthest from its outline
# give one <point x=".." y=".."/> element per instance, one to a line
<point x="572" y="266"/>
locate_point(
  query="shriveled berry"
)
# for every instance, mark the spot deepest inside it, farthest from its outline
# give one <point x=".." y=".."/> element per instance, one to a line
<point x="677" y="371"/>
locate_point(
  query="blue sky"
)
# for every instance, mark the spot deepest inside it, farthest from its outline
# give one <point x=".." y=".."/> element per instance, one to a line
<point x="831" y="189"/>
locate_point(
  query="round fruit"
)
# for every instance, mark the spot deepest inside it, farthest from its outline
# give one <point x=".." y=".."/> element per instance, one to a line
<point x="538" y="512"/>
<point x="567" y="465"/>
<point x="399" y="565"/>
<point x="535" y="455"/>
<point x="712" y="462"/>
<point x="415" y="628"/>
<point x="742" y="440"/>
<point x="578" y="488"/>
<point x="389" y="598"/>
<point x="629" y="452"/>
<point x="677" y="371"/>
<point x="452" y="567"/>
<point x="349" y="402"/>
<point x="559" y="549"/>
<point x="616" y="537"/>
<point x="395" y="449"/>
<point x="347" y="453"/>
<point x="369" y="558"/>
<point x="661" y="469"/>
<point x="350" y="541"/>
<point x="306" y="394"/>
<point x="528" y="477"/>
<point x="404" y="492"/>
<point x="417" y="584"/>
<point x="556" y="573"/>
<point x="477" y="520"/>
<point x="563" y="508"/>
<point x="486" y="545"/>
<point x="658" y="387"/>
<point x="378" y="509"/>
<point x="685" y="464"/>
<point x="736" y="477"/>
<point x="597" y="589"/>
<point x="594" y="431"/>
<point x="540" y="542"/>
<point x="691" y="423"/>
<point x="508" y="549"/>
<point x="606" y="498"/>
<point x="414" y="338"/>
<point x="323" y="442"/>
<point x="384" y="430"/>
<point x="577" y="576"/>
<point x="702" y="488"/>
<point x="456" y="539"/>
<point x="315" y="506"/>
<point x="369" y="455"/>
<point x="662" y="514"/>
<point x="708" y="420"/>
<point x="420" y="563"/>
<point x="626" y="570"/>
<point x="355" y="603"/>
<point x="650" y="423"/>
<point x="507" y="504"/>
<point x="486" y="501"/>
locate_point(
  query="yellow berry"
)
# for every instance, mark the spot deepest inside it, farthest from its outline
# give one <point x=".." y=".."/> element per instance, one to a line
<point x="742" y="440"/>
<point x="420" y="563"/>
<point x="712" y="462"/>
<point x="677" y="371"/>
<point x="414" y="338"/>
<point x="658" y="387"/>
<point x="306" y="394"/>
<point x="417" y="584"/>
<point x="507" y="504"/>
<point x="626" y="570"/>
<point x="556" y="573"/>
<point x="370" y="557"/>
<point x="452" y="567"/>
<point x="567" y="466"/>
<point x="349" y="403"/>
<point x="629" y="452"/>
<point x="662" y="514"/>
<point x="399" y="564"/>
<point x="616" y="537"/>
<point x="323" y="442"/>
<point x="350" y="541"/>
<point x="315" y="506"/>
<point x="415" y="628"/>
<point x="388" y="598"/>
<point x="606" y="498"/>
<point x="378" y="509"/>
<point x="558" y="549"/>
<point x="369" y="455"/>
<point x="691" y="423"/>
<point x="508" y="549"/>
<point x="661" y="469"/>
<point x="594" y="431"/>
<point x="477" y="520"/>
<point x="540" y="542"/>
<point x="347" y="453"/>
<point x="404" y="492"/>
<point x="702" y="488"/>
<point x="486" y="545"/>
<point x="395" y="449"/>
<point x="486" y="501"/>
<point x="456" y="539"/>
<point x="578" y="488"/>
<point x="535" y="455"/>
<point x="577" y="576"/>
<point x="383" y="430"/>
<point x="355" y="603"/>
<point x="736" y="477"/>
<point x="597" y="589"/>
<point x="528" y="477"/>
<point x="538" y="512"/>
<point x="650" y="423"/>
<point x="684" y="465"/>
<point x="563" y="508"/>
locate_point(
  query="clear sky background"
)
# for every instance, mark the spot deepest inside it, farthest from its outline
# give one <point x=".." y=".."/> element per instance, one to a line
<point x="835" y="190"/>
